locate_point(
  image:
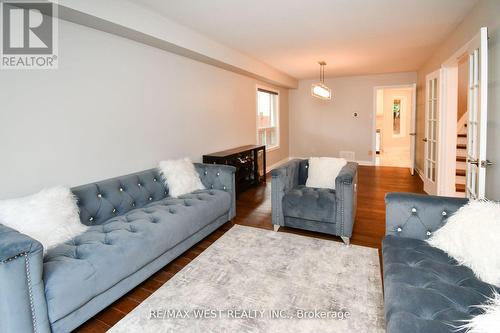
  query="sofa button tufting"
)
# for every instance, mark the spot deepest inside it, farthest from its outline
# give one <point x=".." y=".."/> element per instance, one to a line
<point x="150" y="198"/>
<point x="114" y="210"/>
<point x="139" y="184"/>
<point x="165" y="192"/>
<point x="91" y="219"/>
<point x="211" y="186"/>
<point x="224" y="188"/>
<point x="444" y="213"/>
<point x="99" y="195"/>
<point x="399" y="229"/>
<point x="218" y="174"/>
<point x="307" y="166"/>
<point x="413" y="210"/>
<point x="154" y="179"/>
<point x="428" y="233"/>
<point x="121" y="189"/>
<point x="206" y="173"/>
<point x="133" y="204"/>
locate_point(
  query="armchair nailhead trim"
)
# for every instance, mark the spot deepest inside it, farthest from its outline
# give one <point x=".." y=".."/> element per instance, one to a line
<point x="14" y="257"/>
<point x="30" y="292"/>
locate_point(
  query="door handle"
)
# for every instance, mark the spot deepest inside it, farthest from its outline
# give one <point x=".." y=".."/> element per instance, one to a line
<point x="424" y="140"/>
<point x="486" y="163"/>
<point x="412" y="134"/>
<point x="474" y="162"/>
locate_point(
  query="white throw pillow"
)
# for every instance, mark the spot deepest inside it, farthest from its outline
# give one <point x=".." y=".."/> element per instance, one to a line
<point x="489" y="320"/>
<point x="180" y="177"/>
<point x="50" y="216"/>
<point x="471" y="237"/>
<point x="322" y="171"/>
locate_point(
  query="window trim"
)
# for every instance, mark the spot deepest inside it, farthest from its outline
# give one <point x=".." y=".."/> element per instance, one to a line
<point x="278" y="127"/>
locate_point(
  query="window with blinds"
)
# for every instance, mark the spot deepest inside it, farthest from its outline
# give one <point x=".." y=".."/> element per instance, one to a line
<point x="267" y="118"/>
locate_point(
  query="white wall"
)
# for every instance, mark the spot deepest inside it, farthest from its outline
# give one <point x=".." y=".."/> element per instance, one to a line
<point x="116" y="106"/>
<point x="324" y="128"/>
<point x="485" y="13"/>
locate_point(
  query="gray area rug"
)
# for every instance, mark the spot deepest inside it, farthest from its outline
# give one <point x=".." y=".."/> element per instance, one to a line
<point x="254" y="280"/>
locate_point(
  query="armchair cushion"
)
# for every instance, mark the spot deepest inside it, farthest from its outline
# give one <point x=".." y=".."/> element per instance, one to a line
<point x="315" y="204"/>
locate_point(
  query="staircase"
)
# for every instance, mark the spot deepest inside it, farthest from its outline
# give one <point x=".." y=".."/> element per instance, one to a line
<point x="461" y="158"/>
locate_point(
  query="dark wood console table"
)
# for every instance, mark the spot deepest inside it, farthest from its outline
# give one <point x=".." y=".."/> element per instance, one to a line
<point x="250" y="163"/>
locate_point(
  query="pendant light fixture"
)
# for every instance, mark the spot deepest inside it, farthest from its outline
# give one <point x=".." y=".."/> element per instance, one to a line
<point x="320" y="90"/>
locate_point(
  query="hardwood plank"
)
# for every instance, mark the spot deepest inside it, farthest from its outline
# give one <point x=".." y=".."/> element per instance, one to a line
<point x="254" y="209"/>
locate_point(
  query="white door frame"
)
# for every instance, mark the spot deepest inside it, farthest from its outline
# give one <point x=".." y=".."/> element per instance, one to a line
<point x="448" y="127"/>
<point x="413" y="125"/>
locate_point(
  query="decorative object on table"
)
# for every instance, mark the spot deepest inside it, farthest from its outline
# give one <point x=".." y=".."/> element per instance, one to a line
<point x="320" y="90"/>
<point x="316" y="209"/>
<point x="180" y="177"/>
<point x="49" y="216"/>
<point x="255" y="269"/>
<point x="249" y="161"/>
<point x="322" y="171"/>
<point x="471" y="237"/>
<point x="424" y="287"/>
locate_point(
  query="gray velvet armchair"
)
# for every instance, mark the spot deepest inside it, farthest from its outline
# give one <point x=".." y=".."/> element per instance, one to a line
<point x="322" y="210"/>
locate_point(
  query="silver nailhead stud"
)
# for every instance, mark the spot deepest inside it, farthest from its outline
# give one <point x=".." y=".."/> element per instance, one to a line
<point x="99" y="195"/>
<point x="413" y="210"/>
<point x="443" y="213"/>
<point x="428" y="233"/>
<point x="399" y="229"/>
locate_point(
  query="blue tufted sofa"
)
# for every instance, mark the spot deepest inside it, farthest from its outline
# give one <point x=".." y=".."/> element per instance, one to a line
<point x="135" y="229"/>
<point x="425" y="291"/>
<point x="316" y="209"/>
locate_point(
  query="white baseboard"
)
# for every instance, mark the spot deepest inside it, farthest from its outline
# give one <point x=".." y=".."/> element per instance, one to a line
<point x="368" y="163"/>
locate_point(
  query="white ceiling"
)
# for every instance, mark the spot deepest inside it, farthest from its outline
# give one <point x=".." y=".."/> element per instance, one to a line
<point x="353" y="36"/>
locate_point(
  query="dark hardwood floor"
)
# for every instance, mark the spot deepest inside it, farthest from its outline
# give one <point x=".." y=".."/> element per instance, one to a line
<point x="254" y="209"/>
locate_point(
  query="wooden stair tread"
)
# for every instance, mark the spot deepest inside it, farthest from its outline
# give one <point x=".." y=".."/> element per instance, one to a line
<point x="460" y="187"/>
<point x="460" y="172"/>
<point x="462" y="135"/>
<point x="461" y="146"/>
<point x="461" y="159"/>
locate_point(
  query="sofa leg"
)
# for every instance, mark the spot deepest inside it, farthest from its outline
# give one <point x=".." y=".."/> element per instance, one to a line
<point x="346" y="240"/>
<point x="276" y="227"/>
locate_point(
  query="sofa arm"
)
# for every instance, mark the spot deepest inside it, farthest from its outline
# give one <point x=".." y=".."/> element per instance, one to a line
<point x="416" y="215"/>
<point x="346" y="194"/>
<point x="219" y="177"/>
<point x="23" y="307"/>
<point x="284" y="179"/>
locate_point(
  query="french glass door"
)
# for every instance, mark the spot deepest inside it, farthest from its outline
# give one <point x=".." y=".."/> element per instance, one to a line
<point x="477" y="122"/>
<point x="431" y="139"/>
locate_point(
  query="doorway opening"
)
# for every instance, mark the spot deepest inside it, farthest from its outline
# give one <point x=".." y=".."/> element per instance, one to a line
<point x="394" y="126"/>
